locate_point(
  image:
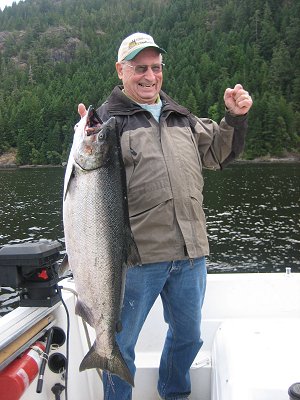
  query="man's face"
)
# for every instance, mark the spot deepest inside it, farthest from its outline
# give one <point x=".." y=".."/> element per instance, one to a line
<point x="142" y="87"/>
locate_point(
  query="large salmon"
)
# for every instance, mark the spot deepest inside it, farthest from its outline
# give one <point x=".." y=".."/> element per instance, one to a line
<point x="99" y="241"/>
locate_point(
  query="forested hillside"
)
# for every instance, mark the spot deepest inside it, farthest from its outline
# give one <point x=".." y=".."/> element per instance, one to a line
<point x="57" y="53"/>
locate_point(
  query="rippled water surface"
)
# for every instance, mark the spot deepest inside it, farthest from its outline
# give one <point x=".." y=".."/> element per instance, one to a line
<point x="253" y="217"/>
<point x="252" y="213"/>
<point x="30" y="204"/>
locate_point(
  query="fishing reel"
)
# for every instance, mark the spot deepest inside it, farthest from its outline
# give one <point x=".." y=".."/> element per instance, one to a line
<point x="32" y="268"/>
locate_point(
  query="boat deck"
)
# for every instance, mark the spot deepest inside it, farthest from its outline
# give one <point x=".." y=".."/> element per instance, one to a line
<point x="248" y="321"/>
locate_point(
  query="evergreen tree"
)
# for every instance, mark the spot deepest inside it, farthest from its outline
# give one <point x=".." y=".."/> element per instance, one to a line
<point x="54" y="55"/>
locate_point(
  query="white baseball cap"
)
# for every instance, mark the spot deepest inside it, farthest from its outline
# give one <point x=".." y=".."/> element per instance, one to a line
<point x="135" y="43"/>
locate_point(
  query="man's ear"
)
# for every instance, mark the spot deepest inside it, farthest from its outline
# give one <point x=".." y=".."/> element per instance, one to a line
<point x="119" y="69"/>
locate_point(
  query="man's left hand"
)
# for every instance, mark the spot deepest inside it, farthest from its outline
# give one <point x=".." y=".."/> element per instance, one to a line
<point x="237" y="100"/>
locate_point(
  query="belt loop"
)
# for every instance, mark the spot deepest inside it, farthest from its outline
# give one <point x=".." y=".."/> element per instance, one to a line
<point x="191" y="262"/>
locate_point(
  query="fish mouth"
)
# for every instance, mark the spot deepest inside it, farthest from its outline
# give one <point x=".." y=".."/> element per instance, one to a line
<point x="93" y="122"/>
<point x="93" y="130"/>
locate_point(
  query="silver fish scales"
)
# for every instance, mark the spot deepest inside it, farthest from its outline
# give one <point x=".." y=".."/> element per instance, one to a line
<point x="99" y="241"/>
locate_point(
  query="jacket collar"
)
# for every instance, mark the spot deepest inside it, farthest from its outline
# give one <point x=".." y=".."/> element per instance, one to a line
<point x="119" y="104"/>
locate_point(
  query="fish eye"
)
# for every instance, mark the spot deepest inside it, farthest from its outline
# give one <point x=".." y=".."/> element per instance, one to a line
<point x="101" y="135"/>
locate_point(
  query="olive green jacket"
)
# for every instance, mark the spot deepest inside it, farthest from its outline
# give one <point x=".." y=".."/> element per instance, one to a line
<point x="163" y="163"/>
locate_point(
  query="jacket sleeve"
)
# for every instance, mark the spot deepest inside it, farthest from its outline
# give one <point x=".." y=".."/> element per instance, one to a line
<point x="219" y="144"/>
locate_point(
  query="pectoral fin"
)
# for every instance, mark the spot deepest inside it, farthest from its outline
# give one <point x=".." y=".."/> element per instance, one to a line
<point x="133" y="255"/>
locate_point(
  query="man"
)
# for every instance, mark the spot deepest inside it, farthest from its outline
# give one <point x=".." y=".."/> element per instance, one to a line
<point x="164" y="149"/>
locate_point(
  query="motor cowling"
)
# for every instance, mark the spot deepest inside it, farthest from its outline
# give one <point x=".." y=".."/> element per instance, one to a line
<point x="17" y="376"/>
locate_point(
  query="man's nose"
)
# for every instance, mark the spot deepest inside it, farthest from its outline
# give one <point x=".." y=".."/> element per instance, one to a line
<point x="149" y="73"/>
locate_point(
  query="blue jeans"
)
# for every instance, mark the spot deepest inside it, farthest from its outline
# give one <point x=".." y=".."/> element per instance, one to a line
<point x="181" y="285"/>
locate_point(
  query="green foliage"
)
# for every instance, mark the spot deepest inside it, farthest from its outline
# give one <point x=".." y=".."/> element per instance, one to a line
<point x="55" y="54"/>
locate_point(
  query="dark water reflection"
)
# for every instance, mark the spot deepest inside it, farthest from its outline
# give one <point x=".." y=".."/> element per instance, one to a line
<point x="253" y="217"/>
<point x="252" y="213"/>
<point x="31" y="204"/>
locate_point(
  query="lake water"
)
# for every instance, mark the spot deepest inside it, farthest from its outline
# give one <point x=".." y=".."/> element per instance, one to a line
<point x="253" y="219"/>
<point x="252" y="214"/>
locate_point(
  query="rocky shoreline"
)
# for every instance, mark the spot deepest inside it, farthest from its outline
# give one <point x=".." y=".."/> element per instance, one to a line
<point x="8" y="160"/>
<point x="288" y="159"/>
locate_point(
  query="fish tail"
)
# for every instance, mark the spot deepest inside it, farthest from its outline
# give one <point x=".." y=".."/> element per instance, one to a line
<point x="115" y="364"/>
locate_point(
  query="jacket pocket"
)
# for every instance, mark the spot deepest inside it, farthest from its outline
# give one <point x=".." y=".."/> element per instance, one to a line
<point x="148" y="196"/>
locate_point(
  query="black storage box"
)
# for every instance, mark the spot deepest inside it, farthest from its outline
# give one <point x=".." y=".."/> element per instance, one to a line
<point x="31" y="268"/>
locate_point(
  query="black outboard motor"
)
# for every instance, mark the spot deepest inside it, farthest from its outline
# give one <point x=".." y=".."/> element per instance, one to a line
<point x="32" y="268"/>
<point x="294" y="391"/>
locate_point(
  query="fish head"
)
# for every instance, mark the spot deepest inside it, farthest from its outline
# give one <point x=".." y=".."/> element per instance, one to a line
<point x="92" y="144"/>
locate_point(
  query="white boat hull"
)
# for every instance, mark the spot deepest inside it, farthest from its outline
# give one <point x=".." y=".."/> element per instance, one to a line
<point x="251" y="326"/>
<point x="255" y="359"/>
